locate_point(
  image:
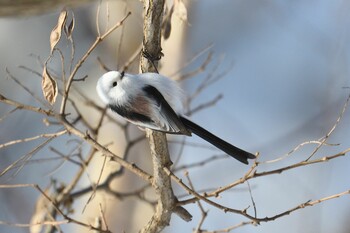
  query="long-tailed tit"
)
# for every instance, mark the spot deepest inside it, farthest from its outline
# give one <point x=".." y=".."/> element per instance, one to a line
<point x="153" y="101"/>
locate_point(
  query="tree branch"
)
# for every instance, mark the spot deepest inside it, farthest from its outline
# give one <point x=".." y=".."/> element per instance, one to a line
<point x="153" y="14"/>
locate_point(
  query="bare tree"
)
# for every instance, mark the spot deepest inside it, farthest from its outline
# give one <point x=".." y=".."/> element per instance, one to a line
<point x="60" y="112"/>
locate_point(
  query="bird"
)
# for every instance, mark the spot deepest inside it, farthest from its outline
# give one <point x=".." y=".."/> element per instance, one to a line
<point x="151" y="100"/>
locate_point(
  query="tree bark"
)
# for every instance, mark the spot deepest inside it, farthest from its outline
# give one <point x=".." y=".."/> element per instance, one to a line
<point x="151" y="52"/>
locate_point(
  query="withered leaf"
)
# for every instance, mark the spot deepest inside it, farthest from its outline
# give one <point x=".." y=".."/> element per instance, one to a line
<point x="56" y="32"/>
<point x="49" y="87"/>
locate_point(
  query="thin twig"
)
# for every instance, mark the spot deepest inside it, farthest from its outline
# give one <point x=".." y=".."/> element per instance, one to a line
<point x="8" y="114"/>
<point x="98" y="40"/>
<point x="25" y="88"/>
<point x="244" y="212"/>
<point x="203" y="212"/>
<point x="324" y="140"/>
<point x="202" y="106"/>
<point x="19" y="163"/>
<point x="195" y="57"/>
<point x="294" y="150"/>
<point x="26" y="107"/>
<point x="103" y="217"/>
<point x="50" y="135"/>
<point x="252" y="199"/>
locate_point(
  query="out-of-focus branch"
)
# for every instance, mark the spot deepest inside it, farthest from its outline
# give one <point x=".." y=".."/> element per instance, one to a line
<point x="55" y="206"/>
<point x="34" y="7"/>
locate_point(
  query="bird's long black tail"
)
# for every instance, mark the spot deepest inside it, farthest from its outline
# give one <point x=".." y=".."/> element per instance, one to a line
<point x="231" y="150"/>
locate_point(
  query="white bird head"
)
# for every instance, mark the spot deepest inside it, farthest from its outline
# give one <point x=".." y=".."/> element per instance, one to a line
<point x="109" y="86"/>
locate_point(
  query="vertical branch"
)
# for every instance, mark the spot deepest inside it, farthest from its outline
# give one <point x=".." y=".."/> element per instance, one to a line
<point x="151" y="50"/>
<point x="151" y="47"/>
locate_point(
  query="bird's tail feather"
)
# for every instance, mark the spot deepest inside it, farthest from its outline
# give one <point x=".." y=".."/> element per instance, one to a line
<point x="231" y="150"/>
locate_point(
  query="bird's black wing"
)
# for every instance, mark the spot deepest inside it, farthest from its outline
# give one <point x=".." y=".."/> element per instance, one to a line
<point x="168" y="121"/>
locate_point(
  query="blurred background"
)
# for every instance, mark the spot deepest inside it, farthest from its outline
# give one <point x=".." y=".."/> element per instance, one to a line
<point x="286" y="81"/>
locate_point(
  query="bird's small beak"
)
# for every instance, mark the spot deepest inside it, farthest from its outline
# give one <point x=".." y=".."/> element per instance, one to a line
<point x="122" y="74"/>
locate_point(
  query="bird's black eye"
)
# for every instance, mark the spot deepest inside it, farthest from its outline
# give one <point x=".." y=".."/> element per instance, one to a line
<point x="114" y="84"/>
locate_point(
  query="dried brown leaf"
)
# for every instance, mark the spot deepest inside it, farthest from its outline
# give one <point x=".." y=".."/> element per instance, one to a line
<point x="56" y="32"/>
<point x="49" y="87"/>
